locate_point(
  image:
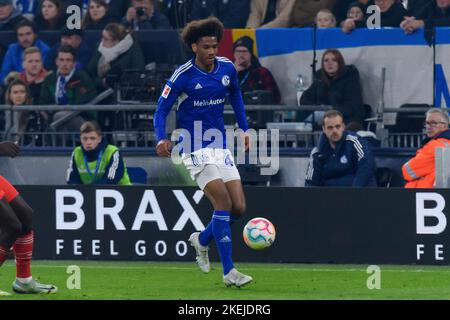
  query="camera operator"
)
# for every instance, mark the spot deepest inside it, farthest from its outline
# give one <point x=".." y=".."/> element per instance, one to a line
<point x="141" y="15"/>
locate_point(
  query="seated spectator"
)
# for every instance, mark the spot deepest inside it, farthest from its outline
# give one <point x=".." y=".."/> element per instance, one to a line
<point x="68" y="86"/>
<point x="141" y="15"/>
<point x="270" y="13"/>
<point x="420" y="171"/>
<point x="34" y="73"/>
<point x="51" y="15"/>
<point x="341" y="159"/>
<point x="10" y="16"/>
<point x="97" y="16"/>
<point x="233" y="13"/>
<point x="337" y="85"/>
<point x="27" y="8"/>
<point x="96" y="161"/>
<point x="26" y="37"/>
<point x="117" y="52"/>
<point x="342" y="7"/>
<point x="392" y="14"/>
<point x="435" y="15"/>
<point x="304" y="12"/>
<point x="73" y="38"/>
<point x="251" y="75"/>
<point x="21" y="122"/>
<point x="325" y="19"/>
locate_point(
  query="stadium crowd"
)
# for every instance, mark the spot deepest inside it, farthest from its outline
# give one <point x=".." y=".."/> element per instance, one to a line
<point x="74" y="71"/>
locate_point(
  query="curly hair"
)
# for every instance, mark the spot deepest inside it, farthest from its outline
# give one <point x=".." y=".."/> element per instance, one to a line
<point x="194" y="30"/>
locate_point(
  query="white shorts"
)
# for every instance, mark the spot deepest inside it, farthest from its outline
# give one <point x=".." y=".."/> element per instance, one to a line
<point x="207" y="164"/>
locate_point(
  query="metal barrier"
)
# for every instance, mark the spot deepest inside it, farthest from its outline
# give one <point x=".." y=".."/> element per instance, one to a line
<point x="129" y="136"/>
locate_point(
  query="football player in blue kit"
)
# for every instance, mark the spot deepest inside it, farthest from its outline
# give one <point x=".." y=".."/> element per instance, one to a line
<point x="201" y="85"/>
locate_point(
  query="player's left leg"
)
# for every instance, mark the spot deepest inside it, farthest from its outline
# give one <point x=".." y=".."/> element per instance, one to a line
<point x="23" y="244"/>
<point x="23" y="251"/>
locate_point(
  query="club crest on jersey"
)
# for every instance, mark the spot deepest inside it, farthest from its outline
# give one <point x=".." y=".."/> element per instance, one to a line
<point x="166" y="91"/>
<point x="344" y="159"/>
<point x="226" y="81"/>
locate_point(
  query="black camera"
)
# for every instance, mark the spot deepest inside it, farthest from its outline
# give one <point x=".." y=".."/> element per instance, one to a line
<point x="140" y="11"/>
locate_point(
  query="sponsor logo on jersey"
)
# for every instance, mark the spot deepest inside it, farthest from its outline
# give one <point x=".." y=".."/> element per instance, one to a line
<point x="344" y="160"/>
<point x="198" y="86"/>
<point x="226" y="81"/>
<point x="166" y="91"/>
<point x="207" y="103"/>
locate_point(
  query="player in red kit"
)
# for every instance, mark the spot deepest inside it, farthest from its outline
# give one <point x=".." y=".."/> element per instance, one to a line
<point x="16" y="232"/>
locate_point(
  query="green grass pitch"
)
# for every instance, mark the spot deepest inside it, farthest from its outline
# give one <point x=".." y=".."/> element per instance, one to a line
<point x="175" y="280"/>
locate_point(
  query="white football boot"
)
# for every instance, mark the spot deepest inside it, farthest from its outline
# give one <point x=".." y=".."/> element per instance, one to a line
<point x="201" y="251"/>
<point x="236" y="278"/>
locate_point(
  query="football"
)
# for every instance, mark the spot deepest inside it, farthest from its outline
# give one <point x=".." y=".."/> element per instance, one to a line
<point x="259" y="233"/>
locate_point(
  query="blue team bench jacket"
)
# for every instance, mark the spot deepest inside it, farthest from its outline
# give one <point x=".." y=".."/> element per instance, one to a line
<point x="351" y="164"/>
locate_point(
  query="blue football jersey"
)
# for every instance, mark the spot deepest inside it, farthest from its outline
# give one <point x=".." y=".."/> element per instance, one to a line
<point x="201" y="96"/>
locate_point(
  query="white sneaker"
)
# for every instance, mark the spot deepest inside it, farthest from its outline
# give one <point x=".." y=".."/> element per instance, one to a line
<point x="236" y="278"/>
<point x="4" y="293"/>
<point x="201" y="251"/>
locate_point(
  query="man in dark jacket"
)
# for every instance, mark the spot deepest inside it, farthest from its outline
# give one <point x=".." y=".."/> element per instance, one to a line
<point x="73" y="38"/>
<point x="341" y="159"/>
<point x="68" y="86"/>
<point x="251" y="75"/>
<point x="10" y="17"/>
<point x="142" y="15"/>
<point x="392" y="14"/>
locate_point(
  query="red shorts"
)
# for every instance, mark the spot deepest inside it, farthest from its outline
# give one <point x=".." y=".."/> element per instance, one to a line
<point x="7" y="190"/>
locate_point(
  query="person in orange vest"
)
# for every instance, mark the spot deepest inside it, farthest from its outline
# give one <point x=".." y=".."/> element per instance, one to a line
<point x="419" y="172"/>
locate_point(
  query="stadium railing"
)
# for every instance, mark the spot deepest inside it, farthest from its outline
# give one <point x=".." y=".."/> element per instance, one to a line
<point x="291" y="134"/>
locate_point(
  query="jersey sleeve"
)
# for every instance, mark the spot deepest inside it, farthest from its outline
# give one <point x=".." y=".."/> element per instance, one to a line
<point x="73" y="176"/>
<point x="236" y="101"/>
<point x="169" y="95"/>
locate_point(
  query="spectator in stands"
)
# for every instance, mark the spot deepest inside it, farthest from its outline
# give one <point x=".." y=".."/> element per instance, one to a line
<point x="342" y="7"/>
<point x="232" y="13"/>
<point x="325" y="19"/>
<point x="416" y="7"/>
<point x="392" y="14"/>
<point x="337" y="85"/>
<point x="419" y="172"/>
<point x="117" y="52"/>
<point x="436" y="14"/>
<point x="96" y="161"/>
<point x="356" y="11"/>
<point x="270" y="13"/>
<point x="97" y="16"/>
<point x="26" y="37"/>
<point x="304" y="12"/>
<point x="141" y="15"/>
<point x="68" y="86"/>
<point x="341" y="159"/>
<point x="51" y="15"/>
<point x="20" y="122"/>
<point x="34" y="73"/>
<point x="116" y="8"/>
<point x="73" y="38"/>
<point x="251" y="75"/>
<point x="27" y="8"/>
<point x="10" y="17"/>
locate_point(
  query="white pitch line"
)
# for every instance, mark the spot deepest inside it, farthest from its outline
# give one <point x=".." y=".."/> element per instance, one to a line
<point x="249" y="269"/>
